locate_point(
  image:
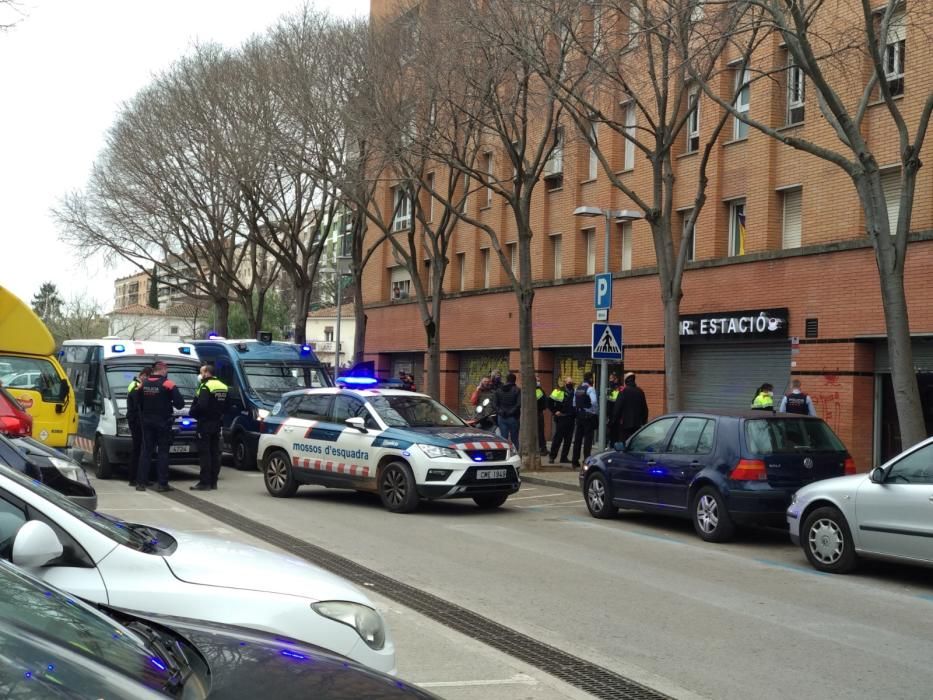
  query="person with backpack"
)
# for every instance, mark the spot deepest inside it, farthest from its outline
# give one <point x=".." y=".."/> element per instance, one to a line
<point x="797" y="401"/>
<point x="560" y="402"/>
<point x="586" y="416"/>
<point x="509" y="408"/>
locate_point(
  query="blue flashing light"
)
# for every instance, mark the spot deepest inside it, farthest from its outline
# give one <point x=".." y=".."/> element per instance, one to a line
<point x="186" y="422"/>
<point x="118" y="348"/>
<point x="358" y="381"/>
<point x="212" y="335"/>
<point x="406" y="453"/>
<point x="27" y="675"/>
<point x="305" y="349"/>
<point x="477" y="458"/>
<point x="51" y="668"/>
<point x="158" y="663"/>
<point x="184" y="350"/>
<point x="293" y="655"/>
<point x="48" y="594"/>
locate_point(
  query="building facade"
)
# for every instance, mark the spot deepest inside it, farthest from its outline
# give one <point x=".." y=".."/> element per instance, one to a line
<point x="322" y="334"/>
<point x="782" y="282"/>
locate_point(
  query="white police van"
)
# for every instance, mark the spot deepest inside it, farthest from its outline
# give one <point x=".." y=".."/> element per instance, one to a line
<point x="400" y="444"/>
<point x="100" y="372"/>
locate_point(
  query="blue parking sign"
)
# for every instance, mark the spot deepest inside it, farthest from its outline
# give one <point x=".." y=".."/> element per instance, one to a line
<point x="602" y="291"/>
<point x="607" y="341"/>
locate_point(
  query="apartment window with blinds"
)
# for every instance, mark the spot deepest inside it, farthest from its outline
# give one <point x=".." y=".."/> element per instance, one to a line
<point x="627" y="246"/>
<point x="430" y="183"/>
<point x="634" y="26"/>
<point x="512" y="250"/>
<point x="556" y="249"/>
<point x="895" y="45"/>
<point x="461" y="271"/>
<point x="737" y="231"/>
<point x="693" y="121"/>
<point x="554" y="166"/>
<point x="401" y="203"/>
<point x="589" y="250"/>
<point x="484" y="261"/>
<point x="742" y="103"/>
<point x="891" y="184"/>
<point x="593" y="169"/>
<point x="466" y="194"/>
<point x="795" y="92"/>
<point x="487" y="170"/>
<point x="688" y="234"/>
<point x="629" y="160"/>
<point x="791" y="228"/>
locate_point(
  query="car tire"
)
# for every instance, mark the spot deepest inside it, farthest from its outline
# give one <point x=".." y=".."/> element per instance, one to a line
<point x="278" y="476"/>
<point x="490" y="501"/>
<point x="242" y="460"/>
<point x="597" y="496"/>
<point x="711" y="520"/>
<point x="827" y="541"/>
<point x="397" y="488"/>
<point x="103" y="467"/>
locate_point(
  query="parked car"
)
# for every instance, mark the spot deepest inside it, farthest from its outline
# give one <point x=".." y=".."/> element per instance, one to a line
<point x="887" y="514"/>
<point x="14" y="421"/>
<point x="137" y="567"/>
<point x="55" y="646"/>
<point x="49" y="466"/>
<point x="720" y="470"/>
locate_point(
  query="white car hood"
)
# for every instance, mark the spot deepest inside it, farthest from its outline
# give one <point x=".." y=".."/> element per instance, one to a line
<point x="212" y="561"/>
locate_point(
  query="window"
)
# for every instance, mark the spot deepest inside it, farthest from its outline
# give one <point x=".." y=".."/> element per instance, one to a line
<point x="688" y="232"/>
<point x="12" y="519"/>
<point x="346" y="406"/>
<point x="461" y="271"/>
<point x="627" y="246"/>
<point x="487" y="169"/>
<point x="596" y="7"/>
<point x="430" y="184"/>
<point x="693" y="436"/>
<point x="634" y="26"/>
<point x="629" y="162"/>
<point x="466" y="193"/>
<point x="512" y="249"/>
<point x="401" y="205"/>
<point x="593" y="169"/>
<point x="795" y="92"/>
<point x="484" y="259"/>
<point x="895" y="45"/>
<point x="651" y="438"/>
<point x="891" y="184"/>
<point x="743" y="90"/>
<point x="556" y="246"/>
<point x="693" y="121"/>
<point x="173" y="330"/>
<point x="790" y="435"/>
<point x="329" y="334"/>
<point x="400" y="283"/>
<point x="790" y="230"/>
<point x="737" y="227"/>
<point x="589" y="247"/>
<point x="314" y="407"/>
<point x="915" y="468"/>
<point x="554" y="167"/>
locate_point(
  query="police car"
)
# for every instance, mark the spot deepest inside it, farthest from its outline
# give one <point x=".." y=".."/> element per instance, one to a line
<point x="400" y="444"/>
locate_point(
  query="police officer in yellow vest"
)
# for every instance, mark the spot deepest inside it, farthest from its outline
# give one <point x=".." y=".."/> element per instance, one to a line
<point x="541" y="399"/>
<point x="561" y="405"/>
<point x="764" y="398"/>
<point x="208" y="408"/>
<point x="612" y="427"/>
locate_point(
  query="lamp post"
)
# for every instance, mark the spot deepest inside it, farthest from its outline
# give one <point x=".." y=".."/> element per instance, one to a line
<point x="609" y="215"/>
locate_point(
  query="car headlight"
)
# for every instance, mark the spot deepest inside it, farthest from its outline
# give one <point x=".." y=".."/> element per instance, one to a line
<point x="72" y="471"/>
<point x="366" y="621"/>
<point x="123" y="426"/>
<point x="435" y="452"/>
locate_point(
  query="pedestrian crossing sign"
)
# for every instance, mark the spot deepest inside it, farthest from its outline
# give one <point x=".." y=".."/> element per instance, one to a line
<point x="607" y="341"/>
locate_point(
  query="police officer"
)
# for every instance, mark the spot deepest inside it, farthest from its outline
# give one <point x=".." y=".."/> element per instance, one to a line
<point x="611" y="430"/>
<point x="208" y="408"/>
<point x="132" y="417"/>
<point x="561" y="404"/>
<point x="764" y="398"/>
<point x="587" y="418"/>
<point x="797" y="401"/>
<point x="541" y="400"/>
<point x="158" y="395"/>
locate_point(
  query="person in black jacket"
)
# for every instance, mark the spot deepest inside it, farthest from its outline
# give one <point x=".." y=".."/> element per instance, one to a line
<point x="210" y="404"/>
<point x="561" y="404"/>
<point x="132" y="417"/>
<point x="158" y="396"/>
<point x="509" y="408"/>
<point x="630" y="410"/>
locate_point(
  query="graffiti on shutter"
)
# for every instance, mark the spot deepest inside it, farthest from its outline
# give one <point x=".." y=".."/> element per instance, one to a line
<point x="473" y="367"/>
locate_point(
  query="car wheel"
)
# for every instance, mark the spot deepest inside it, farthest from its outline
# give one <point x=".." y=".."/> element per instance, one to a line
<point x="827" y="542"/>
<point x="278" y="476"/>
<point x="711" y="520"/>
<point x="598" y="498"/>
<point x="103" y="468"/>
<point x="397" y="488"/>
<point x="491" y="500"/>
<point x="242" y="459"/>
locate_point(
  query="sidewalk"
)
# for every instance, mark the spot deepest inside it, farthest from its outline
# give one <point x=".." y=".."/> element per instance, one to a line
<point x="556" y="477"/>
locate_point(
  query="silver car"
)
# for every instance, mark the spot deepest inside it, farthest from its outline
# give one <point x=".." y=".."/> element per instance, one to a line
<point x="887" y="513"/>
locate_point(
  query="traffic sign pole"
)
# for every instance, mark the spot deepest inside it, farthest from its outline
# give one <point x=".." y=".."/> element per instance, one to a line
<point x="604" y="364"/>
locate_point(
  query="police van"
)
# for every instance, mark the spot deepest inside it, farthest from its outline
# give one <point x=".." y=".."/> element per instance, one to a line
<point x="400" y="444"/>
<point x="101" y="371"/>
<point x="257" y="372"/>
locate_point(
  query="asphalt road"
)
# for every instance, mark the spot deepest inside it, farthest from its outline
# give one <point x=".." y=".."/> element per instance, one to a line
<point x="640" y="595"/>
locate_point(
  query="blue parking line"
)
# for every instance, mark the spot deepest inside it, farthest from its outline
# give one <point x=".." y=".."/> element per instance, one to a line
<point x="926" y="596"/>
<point x="792" y="567"/>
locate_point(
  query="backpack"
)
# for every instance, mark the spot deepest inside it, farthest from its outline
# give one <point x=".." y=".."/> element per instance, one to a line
<point x="581" y="398"/>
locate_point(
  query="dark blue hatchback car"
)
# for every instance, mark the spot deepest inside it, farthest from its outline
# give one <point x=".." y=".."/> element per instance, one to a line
<point x="720" y="470"/>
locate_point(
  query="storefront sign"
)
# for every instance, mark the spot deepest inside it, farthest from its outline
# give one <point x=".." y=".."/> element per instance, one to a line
<point x="738" y="325"/>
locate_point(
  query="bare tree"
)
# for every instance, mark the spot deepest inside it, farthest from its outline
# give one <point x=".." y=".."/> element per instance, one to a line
<point x="10" y="14"/>
<point x="80" y="317"/>
<point x="834" y="47"/>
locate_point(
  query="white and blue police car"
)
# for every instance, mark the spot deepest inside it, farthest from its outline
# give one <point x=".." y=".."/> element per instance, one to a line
<point x="403" y="445"/>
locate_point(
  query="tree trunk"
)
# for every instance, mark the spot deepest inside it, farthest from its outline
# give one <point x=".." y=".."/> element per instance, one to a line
<point x="302" y="304"/>
<point x="672" y="388"/>
<point x="434" y="358"/>
<point x="528" y="429"/>
<point x="359" y="331"/>
<point x="260" y="310"/>
<point x="221" y="316"/>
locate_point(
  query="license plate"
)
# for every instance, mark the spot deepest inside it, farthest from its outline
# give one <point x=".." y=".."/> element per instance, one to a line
<point x="491" y="473"/>
<point x="180" y="448"/>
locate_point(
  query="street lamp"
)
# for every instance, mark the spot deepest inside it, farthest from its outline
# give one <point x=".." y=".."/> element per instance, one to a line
<point x="609" y="215"/>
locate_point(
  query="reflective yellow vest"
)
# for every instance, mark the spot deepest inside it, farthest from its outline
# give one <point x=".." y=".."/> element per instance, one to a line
<point x="557" y="395"/>
<point x="763" y="400"/>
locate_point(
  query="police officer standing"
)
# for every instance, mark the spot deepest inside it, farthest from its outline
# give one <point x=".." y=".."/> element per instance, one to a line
<point x="797" y="401"/>
<point x="158" y="395"/>
<point x="208" y="408"/>
<point x="132" y="417"/>
<point x="561" y="405"/>
<point x="541" y="400"/>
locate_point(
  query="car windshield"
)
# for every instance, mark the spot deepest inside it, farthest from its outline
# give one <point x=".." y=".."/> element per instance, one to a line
<point x="413" y="411"/>
<point x="271" y="379"/>
<point x="184" y="374"/>
<point x="32" y="605"/>
<point x="790" y="436"/>
<point x="137" y="537"/>
<point x="31" y="374"/>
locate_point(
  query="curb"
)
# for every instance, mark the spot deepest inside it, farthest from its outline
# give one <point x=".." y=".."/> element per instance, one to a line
<point x="541" y="481"/>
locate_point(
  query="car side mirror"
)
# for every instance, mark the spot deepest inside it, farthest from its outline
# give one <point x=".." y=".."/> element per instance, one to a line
<point x="619" y="446"/>
<point x="877" y="475"/>
<point x="63" y="392"/>
<point x="358" y="423"/>
<point x="36" y="544"/>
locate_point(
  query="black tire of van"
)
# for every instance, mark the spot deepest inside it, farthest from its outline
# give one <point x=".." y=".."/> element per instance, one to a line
<point x="103" y="468"/>
<point x="242" y="459"/>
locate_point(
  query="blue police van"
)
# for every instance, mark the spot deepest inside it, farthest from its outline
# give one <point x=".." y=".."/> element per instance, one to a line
<point x="257" y="372"/>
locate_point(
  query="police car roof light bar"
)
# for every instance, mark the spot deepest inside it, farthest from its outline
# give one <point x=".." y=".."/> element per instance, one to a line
<point x="359" y="381"/>
<point x="118" y="348"/>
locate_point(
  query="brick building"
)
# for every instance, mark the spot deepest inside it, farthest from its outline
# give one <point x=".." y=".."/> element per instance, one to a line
<point x="805" y="270"/>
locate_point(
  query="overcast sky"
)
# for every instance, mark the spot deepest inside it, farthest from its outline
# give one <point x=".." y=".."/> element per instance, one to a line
<point x="64" y="70"/>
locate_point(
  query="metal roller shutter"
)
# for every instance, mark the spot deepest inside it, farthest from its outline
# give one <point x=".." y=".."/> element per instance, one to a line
<point x="725" y="375"/>
<point x="473" y="367"/>
<point x="791" y="232"/>
<point x="922" y="351"/>
<point x="411" y="362"/>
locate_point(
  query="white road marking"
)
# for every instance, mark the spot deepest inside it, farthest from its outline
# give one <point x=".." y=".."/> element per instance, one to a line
<point x="563" y="504"/>
<point x="518" y="679"/>
<point x="543" y="495"/>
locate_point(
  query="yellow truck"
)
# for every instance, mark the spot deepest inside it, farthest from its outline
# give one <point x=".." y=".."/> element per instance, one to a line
<point x="30" y="371"/>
